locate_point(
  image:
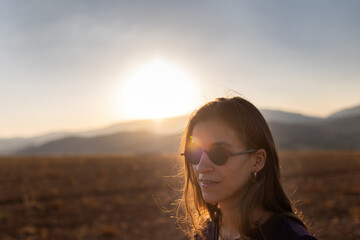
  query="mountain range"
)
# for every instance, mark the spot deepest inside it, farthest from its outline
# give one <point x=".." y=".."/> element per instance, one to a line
<point x="340" y="130"/>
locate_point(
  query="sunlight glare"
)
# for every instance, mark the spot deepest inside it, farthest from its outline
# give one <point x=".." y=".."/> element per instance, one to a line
<point x="158" y="89"/>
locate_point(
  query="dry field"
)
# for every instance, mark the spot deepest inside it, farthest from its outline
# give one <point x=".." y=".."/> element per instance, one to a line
<point x="124" y="197"/>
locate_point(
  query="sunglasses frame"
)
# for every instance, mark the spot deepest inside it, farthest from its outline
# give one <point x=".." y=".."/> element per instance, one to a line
<point x="229" y="155"/>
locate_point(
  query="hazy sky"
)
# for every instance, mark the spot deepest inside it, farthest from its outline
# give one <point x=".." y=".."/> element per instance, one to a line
<point x="62" y="62"/>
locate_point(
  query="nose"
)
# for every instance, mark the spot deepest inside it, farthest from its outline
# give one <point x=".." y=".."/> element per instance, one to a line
<point x="205" y="164"/>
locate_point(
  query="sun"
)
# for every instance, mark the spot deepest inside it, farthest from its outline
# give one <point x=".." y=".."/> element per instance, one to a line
<point x="157" y="89"/>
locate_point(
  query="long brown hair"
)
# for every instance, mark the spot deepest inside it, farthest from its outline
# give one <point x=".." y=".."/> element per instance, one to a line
<point x="265" y="191"/>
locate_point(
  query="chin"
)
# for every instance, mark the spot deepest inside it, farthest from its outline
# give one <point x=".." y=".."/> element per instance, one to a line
<point x="211" y="199"/>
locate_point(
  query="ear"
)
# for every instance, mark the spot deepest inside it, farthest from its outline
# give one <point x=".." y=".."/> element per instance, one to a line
<point x="259" y="160"/>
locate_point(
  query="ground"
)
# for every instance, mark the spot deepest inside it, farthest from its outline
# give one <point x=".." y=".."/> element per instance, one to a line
<point x="131" y="197"/>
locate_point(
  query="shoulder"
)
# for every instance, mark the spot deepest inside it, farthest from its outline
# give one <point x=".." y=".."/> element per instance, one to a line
<point x="289" y="228"/>
<point x="283" y="228"/>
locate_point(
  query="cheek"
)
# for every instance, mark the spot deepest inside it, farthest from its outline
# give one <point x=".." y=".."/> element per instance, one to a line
<point x="242" y="179"/>
<point x="237" y="176"/>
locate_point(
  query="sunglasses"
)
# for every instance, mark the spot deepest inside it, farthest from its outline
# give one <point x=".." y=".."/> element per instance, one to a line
<point x="217" y="154"/>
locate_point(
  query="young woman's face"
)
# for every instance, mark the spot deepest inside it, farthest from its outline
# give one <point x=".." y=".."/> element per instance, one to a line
<point x="220" y="184"/>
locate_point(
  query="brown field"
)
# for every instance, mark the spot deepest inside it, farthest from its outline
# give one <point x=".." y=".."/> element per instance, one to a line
<point x="123" y="197"/>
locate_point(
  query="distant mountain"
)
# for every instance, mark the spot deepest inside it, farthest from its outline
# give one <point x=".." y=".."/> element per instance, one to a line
<point x="330" y="134"/>
<point x="175" y="125"/>
<point x="127" y="142"/>
<point x="160" y="126"/>
<point x="11" y="145"/>
<point x="341" y="133"/>
<point x="348" y="112"/>
<point x="293" y="131"/>
<point x="288" y="118"/>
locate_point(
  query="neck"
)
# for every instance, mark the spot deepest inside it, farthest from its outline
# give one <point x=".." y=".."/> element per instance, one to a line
<point x="230" y="222"/>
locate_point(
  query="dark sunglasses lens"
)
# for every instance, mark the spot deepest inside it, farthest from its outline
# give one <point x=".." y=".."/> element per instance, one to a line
<point x="219" y="155"/>
<point x="193" y="155"/>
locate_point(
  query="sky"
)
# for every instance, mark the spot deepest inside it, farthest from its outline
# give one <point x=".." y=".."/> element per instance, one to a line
<point x="65" y="65"/>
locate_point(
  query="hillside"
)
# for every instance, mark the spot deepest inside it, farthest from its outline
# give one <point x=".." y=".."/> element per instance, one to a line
<point x="291" y="131"/>
<point x="331" y="134"/>
<point x="127" y="142"/>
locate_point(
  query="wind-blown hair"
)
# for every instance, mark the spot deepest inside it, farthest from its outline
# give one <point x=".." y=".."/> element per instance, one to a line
<point x="265" y="191"/>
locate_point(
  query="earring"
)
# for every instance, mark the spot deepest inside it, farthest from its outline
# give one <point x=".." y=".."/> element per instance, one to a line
<point x="255" y="173"/>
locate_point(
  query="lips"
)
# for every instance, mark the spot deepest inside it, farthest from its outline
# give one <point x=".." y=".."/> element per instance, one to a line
<point x="207" y="183"/>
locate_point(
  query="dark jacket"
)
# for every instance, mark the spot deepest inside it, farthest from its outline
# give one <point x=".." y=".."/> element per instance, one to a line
<point x="277" y="227"/>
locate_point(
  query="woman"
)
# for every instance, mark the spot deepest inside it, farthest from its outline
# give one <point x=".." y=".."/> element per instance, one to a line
<point x="232" y="186"/>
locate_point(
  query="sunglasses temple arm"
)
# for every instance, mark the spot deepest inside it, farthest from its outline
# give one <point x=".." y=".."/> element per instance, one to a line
<point x="243" y="152"/>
